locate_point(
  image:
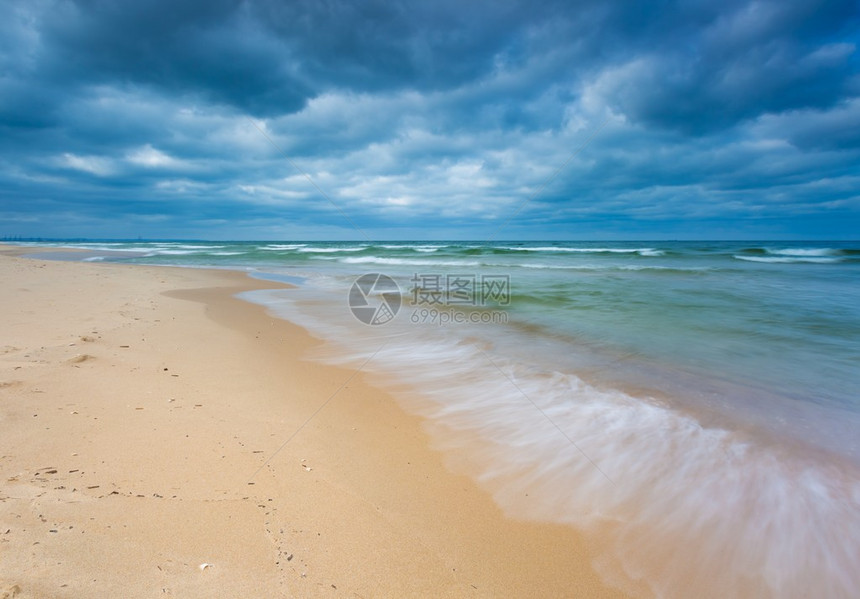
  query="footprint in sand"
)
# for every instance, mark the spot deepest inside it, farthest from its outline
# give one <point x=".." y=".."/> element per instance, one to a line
<point x="80" y="358"/>
<point x="7" y="592"/>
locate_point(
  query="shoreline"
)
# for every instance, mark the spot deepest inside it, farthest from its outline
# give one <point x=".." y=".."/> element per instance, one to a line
<point x="371" y="511"/>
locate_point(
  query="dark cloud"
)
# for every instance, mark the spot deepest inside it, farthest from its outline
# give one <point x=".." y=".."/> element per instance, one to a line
<point x="740" y="62"/>
<point x="443" y="114"/>
<point x="835" y="129"/>
<point x="215" y="50"/>
<point x="384" y="44"/>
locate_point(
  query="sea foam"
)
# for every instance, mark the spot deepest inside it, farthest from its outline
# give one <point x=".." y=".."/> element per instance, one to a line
<point x="689" y="510"/>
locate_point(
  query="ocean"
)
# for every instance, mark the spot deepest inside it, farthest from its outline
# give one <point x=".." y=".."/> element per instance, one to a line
<point x="694" y="402"/>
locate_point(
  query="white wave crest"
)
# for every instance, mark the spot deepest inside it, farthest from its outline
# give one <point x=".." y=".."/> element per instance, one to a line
<point x="308" y="250"/>
<point x="407" y="261"/>
<point x="789" y="259"/>
<point x="641" y="251"/>
<point x="808" y="252"/>
<point x="278" y="247"/>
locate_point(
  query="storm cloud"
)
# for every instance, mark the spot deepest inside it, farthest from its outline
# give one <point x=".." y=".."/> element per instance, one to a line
<point x="427" y="120"/>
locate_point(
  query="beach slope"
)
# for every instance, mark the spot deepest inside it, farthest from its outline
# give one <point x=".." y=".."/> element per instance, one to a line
<point x="159" y="437"/>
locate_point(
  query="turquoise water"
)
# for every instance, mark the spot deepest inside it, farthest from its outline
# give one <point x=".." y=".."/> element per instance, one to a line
<point x="700" y="396"/>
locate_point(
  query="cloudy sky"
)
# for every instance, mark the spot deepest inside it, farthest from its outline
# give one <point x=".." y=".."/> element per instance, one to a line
<point x="464" y="119"/>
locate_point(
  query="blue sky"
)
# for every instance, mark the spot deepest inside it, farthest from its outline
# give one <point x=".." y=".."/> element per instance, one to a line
<point x="430" y="120"/>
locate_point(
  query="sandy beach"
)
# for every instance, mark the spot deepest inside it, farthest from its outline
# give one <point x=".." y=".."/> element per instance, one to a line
<point x="143" y="418"/>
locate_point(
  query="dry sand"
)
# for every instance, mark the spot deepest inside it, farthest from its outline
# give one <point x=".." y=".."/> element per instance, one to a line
<point x="137" y="407"/>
